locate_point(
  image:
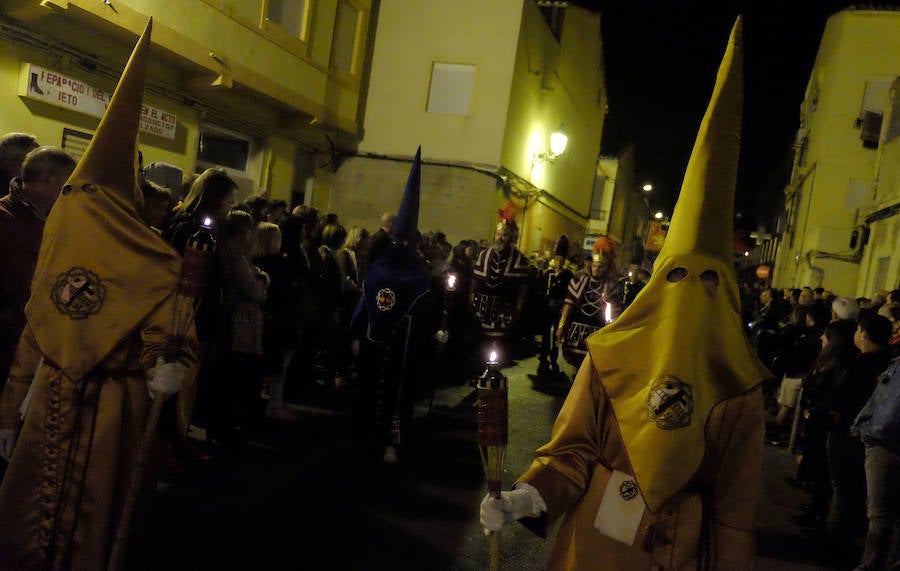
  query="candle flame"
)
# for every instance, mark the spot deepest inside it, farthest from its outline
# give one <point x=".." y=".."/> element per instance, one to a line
<point x="493" y="357"/>
<point x="451" y="282"/>
<point x="608" y="313"/>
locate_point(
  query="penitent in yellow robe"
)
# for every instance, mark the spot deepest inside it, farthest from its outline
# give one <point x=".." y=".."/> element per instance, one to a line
<point x="712" y="517"/>
<point x="62" y="495"/>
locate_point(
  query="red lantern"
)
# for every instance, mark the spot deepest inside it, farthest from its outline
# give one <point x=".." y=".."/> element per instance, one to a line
<point x="762" y="272"/>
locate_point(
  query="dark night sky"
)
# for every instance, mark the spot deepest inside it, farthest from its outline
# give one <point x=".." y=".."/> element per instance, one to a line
<point x="661" y="60"/>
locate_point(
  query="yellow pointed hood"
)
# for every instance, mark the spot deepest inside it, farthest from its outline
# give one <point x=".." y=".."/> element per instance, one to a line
<point x="686" y="319"/>
<point x="101" y="269"/>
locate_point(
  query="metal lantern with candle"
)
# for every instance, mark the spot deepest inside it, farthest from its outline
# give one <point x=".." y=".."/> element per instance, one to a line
<point x="493" y="433"/>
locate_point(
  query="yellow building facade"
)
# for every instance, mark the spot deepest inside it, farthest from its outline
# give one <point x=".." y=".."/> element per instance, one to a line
<point x="268" y="89"/>
<point x="481" y="86"/>
<point x="827" y="236"/>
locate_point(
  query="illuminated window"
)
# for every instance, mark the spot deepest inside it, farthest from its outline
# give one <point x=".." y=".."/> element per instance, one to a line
<point x="346" y="28"/>
<point x="291" y="15"/>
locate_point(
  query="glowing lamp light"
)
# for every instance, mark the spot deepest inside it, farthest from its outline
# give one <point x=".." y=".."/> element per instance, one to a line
<point x="658" y="215"/>
<point x="746" y="253"/>
<point x="494" y="357"/>
<point x="647" y="187"/>
<point x="558" y="143"/>
<point x="608" y="312"/>
<point x="207" y="222"/>
<point x="451" y="282"/>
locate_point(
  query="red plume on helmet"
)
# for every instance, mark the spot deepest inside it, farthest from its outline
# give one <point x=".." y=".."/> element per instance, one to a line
<point x="507" y="216"/>
<point x="606" y="246"/>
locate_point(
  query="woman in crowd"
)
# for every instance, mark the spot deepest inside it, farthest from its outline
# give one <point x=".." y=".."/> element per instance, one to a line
<point x="281" y="316"/>
<point x="208" y="201"/>
<point x="831" y="366"/>
<point x="241" y="372"/>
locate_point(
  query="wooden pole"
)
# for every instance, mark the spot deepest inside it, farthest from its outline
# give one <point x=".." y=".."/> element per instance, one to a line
<point x="493" y="427"/>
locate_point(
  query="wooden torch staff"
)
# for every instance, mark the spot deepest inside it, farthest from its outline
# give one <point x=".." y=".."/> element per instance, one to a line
<point x="192" y="282"/>
<point x="493" y="416"/>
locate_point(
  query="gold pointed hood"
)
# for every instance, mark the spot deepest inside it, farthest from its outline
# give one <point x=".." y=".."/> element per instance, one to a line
<point x="101" y="269"/>
<point x="687" y="317"/>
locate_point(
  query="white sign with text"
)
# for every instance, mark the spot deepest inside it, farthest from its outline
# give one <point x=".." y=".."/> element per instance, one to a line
<point x="42" y="84"/>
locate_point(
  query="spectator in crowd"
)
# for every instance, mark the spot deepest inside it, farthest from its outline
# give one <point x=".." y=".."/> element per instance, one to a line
<point x="806" y="297"/>
<point x="22" y="215"/>
<point x="891" y="312"/>
<point x="239" y="405"/>
<point x="878" y="425"/>
<point x="13" y="148"/>
<point x="381" y="239"/>
<point x="167" y="176"/>
<point x="208" y="202"/>
<point x="845" y="452"/>
<point x="352" y="260"/>
<point x="256" y="205"/>
<point x="830" y="369"/>
<point x="157" y="205"/>
<point x="275" y="211"/>
<point x="796" y="353"/>
<point x="337" y="351"/>
<point x="765" y="325"/>
<point x="844" y="308"/>
<point x="634" y="286"/>
<point x="280" y="317"/>
<point x="879" y="298"/>
<point x="894" y="296"/>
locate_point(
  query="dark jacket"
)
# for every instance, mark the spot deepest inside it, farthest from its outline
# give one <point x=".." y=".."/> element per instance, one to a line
<point x="851" y="391"/>
<point x="20" y="242"/>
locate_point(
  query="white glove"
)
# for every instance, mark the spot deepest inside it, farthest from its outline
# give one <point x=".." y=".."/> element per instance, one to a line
<point x="7" y="441"/>
<point x="441" y="336"/>
<point x="524" y="501"/>
<point x="165" y="378"/>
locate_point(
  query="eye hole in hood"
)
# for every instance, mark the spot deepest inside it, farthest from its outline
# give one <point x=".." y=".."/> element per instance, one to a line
<point x="677" y="274"/>
<point x="710" y="278"/>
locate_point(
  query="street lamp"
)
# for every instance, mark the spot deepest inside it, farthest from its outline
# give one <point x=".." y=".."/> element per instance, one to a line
<point x="558" y="143"/>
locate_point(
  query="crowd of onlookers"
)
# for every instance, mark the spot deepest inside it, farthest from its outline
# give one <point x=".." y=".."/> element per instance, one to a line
<point x="829" y="355"/>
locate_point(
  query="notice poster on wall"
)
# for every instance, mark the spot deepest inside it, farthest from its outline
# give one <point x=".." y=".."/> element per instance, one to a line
<point x="42" y="84"/>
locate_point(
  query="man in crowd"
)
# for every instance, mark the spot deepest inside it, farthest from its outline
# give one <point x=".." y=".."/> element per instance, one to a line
<point x="22" y="215"/>
<point x="656" y="456"/>
<point x="13" y="148"/>
<point x="878" y="425"/>
<point x="382" y="238"/>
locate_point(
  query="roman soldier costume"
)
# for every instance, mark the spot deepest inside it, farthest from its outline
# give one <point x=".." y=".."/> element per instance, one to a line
<point x="499" y="282"/>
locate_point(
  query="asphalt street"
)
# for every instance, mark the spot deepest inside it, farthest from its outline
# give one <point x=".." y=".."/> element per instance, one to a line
<point x="300" y="498"/>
